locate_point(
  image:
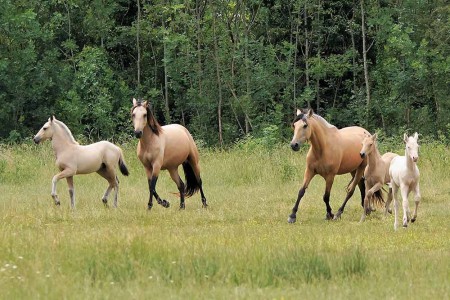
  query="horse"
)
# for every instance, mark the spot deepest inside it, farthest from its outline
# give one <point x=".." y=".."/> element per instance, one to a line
<point x="333" y="152"/>
<point x="165" y="148"/>
<point x="405" y="176"/>
<point x="376" y="173"/>
<point x="73" y="159"/>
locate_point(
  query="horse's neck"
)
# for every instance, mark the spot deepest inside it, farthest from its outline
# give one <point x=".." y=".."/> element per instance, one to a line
<point x="410" y="164"/>
<point x="147" y="135"/>
<point x="374" y="157"/>
<point x="60" y="141"/>
<point x="319" y="137"/>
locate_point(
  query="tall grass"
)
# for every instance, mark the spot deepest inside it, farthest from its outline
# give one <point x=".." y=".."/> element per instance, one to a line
<point x="240" y="247"/>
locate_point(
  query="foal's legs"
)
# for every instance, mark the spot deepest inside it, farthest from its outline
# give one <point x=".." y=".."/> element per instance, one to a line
<point x="63" y="174"/>
<point x="71" y="190"/>
<point x="369" y="196"/>
<point x="417" y="201"/>
<point x="357" y="180"/>
<point x="395" y="197"/>
<point x="406" y="213"/>
<point x="110" y="176"/>
<point x="388" y="201"/>
<point x="180" y="185"/>
<point x="309" y="174"/>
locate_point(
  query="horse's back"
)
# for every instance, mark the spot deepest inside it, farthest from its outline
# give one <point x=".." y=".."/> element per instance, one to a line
<point x="178" y="145"/>
<point x="90" y="158"/>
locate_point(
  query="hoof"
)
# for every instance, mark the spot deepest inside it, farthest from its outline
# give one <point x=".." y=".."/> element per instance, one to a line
<point x="165" y="203"/>
<point x="149" y="206"/>
<point x="105" y="201"/>
<point x="413" y="220"/>
<point x="205" y="205"/>
<point x="58" y="203"/>
<point x="405" y="225"/>
<point x="337" y="216"/>
<point x="292" y="219"/>
<point x="182" y="206"/>
<point x="329" y="216"/>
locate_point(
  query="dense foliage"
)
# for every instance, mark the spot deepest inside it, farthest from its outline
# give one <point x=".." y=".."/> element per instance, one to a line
<point x="225" y="69"/>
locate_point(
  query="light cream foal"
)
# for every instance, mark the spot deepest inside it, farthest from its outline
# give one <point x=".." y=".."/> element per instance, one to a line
<point x="72" y="159"/>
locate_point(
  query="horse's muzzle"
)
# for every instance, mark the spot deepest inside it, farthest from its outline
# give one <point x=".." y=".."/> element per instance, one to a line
<point x="362" y="154"/>
<point x="138" y="133"/>
<point x="36" y="139"/>
<point x="295" y="146"/>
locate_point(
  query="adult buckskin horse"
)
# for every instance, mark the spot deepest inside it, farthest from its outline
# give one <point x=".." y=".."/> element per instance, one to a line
<point x="165" y="148"/>
<point x="333" y="152"/>
<point x="72" y="159"/>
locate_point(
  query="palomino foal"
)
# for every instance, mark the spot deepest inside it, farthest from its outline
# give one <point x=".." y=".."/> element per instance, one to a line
<point x="376" y="173"/>
<point x="165" y="148"/>
<point x="405" y="176"/>
<point x="72" y="159"/>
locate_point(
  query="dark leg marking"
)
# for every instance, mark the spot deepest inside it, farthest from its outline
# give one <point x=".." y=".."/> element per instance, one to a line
<point x="293" y="215"/>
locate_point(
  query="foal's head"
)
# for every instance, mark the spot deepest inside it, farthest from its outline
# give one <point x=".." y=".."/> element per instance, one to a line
<point x="302" y="130"/>
<point x="412" y="146"/>
<point x="141" y="116"/>
<point x="46" y="132"/>
<point x="368" y="144"/>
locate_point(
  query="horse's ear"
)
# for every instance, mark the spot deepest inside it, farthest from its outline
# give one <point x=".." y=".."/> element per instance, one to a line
<point x="310" y="113"/>
<point x="405" y="137"/>
<point x="134" y="101"/>
<point x="375" y="136"/>
<point x="298" y="112"/>
<point x="144" y="104"/>
<point x="416" y="136"/>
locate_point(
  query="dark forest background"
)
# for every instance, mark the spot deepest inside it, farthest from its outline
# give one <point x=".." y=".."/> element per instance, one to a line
<point x="225" y="69"/>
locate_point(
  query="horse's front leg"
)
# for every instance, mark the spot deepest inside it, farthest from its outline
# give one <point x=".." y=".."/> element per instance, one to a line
<point x="357" y="178"/>
<point x="367" y="200"/>
<point x="306" y="180"/>
<point x="152" y="180"/>
<point x="406" y="214"/>
<point x="326" y="196"/>
<point x="63" y="174"/>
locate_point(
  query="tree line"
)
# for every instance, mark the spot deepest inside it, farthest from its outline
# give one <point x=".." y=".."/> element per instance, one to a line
<point x="225" y="69"/>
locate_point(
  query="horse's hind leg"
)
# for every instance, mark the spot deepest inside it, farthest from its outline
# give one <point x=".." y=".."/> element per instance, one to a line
<point x="417" y="201"/>
<point x="326" y="197"/>
<point x="111" y="177"/>
<point x="71" y="191"/>
<point x="205" y="205"/>
<point x="180" y="185"/>
<point x="388" y="202"/>
<point x="196" y="169"/>
<point x="357" y="177"/>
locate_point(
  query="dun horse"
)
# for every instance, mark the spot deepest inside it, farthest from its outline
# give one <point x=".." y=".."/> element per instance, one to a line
<point x="332" y="152"/>
<point x="405" y="176"/>
<point x="376" y="173"/>
<point x="72" y="159"/>
<point x="165" y="148"/>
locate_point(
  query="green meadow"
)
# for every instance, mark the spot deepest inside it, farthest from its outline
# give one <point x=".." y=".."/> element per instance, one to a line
<point x="241" y="247"/>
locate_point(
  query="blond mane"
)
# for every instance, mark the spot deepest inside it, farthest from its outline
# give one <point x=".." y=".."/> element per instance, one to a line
<point x="323" y="121"/>
<point x="66" y="131"/>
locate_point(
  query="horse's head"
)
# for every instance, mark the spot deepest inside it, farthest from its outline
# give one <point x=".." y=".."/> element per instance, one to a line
<point x="412" y="146"/>
<point x="46" y="132"/>
<point x="139" y="116"/>
<point x="302" y="131"/>
<point x="368" y="144"/>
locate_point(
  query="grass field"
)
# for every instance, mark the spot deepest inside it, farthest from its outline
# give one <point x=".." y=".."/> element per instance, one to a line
<point x="241" y="247"/>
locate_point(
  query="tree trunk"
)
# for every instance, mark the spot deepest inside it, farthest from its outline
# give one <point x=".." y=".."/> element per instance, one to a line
<point x="219" y="84"/>
<point x="366" y="70"/>
<point x="305" y="17"/>
<point x="138" y="48"/>
<point x="166" y="80"/>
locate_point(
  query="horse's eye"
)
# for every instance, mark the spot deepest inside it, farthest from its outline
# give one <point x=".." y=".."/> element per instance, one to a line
<point x="133" y="115"/>
<point x="145" y="115"/>
<point x="45" y="128"/>
<point x="306" y="125"/>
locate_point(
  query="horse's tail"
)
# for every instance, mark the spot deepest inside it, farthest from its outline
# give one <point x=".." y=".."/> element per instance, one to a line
<point x="122" y="166"/>
<point x="192" y="184"/>
<point x="378" y="198"/>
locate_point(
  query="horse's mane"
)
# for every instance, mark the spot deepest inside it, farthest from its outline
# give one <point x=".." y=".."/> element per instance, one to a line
<point x="66" y="130"/>
<point x="323" y="121"/>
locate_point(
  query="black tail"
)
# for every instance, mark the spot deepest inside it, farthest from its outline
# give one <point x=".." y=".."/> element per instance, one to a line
<point x="378" y="198"/>
<point x="123" y="168"/>
<point x="192" y="184"/>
